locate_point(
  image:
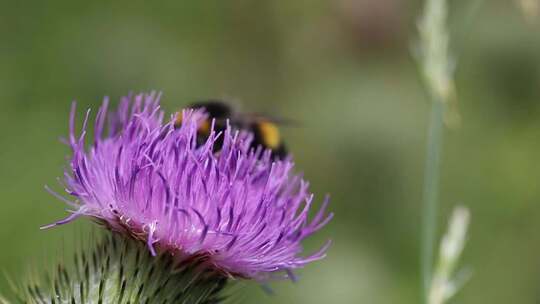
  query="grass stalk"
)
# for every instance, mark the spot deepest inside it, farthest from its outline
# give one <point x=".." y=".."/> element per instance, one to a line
<point x="431" y="192"/>
<point x="437" y="72"/>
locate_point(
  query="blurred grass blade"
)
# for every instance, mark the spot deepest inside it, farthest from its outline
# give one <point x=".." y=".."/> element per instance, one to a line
<point x="436" y="68"/>
<point x="443" y="286"/>
<point x="434" y="41"/>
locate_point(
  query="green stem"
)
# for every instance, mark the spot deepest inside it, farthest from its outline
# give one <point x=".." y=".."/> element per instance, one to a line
<point x="431" y="192"/>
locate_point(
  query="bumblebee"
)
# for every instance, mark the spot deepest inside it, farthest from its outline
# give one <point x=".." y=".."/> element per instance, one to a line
<point x="265" y="130"/>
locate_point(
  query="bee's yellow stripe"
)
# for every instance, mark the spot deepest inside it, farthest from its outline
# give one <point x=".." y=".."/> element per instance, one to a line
<point x="270" y="135"/>
<point x="178" y="120"/>
<point x="204" y="128"/>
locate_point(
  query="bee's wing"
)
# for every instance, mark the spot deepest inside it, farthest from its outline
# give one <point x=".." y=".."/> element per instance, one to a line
<point x="281" y="121"/>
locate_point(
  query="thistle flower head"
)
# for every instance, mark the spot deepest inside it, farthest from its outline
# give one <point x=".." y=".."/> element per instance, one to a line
<point x="245" y="213"/>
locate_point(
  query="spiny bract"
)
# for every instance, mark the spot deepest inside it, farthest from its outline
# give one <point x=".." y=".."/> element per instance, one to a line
<point x="121" y="270"/>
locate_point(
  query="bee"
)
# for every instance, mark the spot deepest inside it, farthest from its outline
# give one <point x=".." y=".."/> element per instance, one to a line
<point x="264" y="129"/>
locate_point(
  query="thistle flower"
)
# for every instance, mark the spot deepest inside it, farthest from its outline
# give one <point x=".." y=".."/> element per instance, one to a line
<point x="245" y="213"/>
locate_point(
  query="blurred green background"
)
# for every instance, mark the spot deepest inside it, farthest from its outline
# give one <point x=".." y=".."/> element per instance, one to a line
<point x="344" y="69"/>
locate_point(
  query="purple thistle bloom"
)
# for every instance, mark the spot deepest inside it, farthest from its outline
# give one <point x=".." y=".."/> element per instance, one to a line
<point x="243" y="212"/>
